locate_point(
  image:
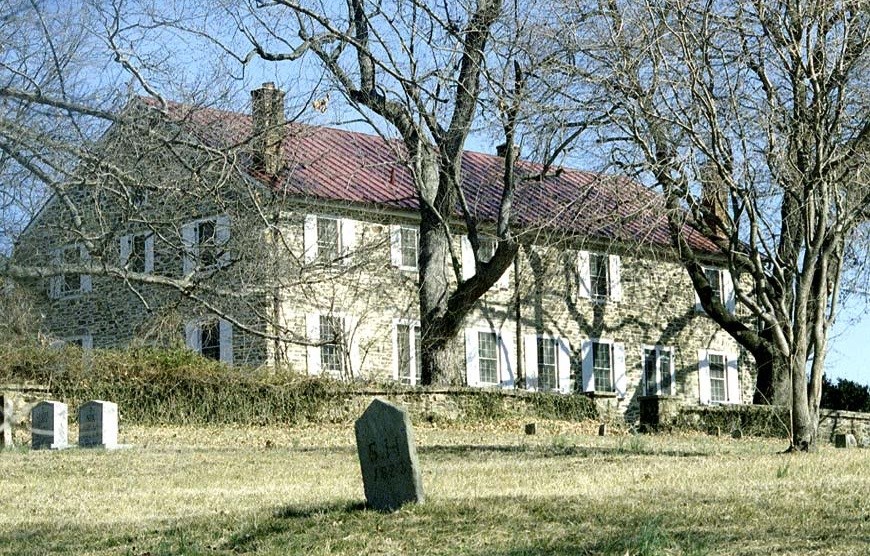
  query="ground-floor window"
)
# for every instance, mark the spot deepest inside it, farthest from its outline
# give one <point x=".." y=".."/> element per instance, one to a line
<point x="658" y="371"/>
<point x="408" y="353"/>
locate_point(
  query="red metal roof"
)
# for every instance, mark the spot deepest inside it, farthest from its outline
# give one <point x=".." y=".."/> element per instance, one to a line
<point x="338" y="165"/>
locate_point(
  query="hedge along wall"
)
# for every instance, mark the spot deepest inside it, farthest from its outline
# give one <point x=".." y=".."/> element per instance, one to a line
<point x="159" y="386"/>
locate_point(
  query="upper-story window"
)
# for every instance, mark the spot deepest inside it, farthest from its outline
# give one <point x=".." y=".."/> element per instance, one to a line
<point x="599" y="276"/>
<point x="722" y="286"/>
<point x="404" y="247"/>
<point x="487" y="249"/>
<point x="68" y="284"/>
<point x="329" y="239"/>
<point x="205" y="241"/>
<point x="137" y="252"/>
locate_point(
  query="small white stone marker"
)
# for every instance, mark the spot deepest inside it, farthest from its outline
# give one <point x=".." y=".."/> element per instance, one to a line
<point x="49" y="426"/>
<point x="98" y="425"/>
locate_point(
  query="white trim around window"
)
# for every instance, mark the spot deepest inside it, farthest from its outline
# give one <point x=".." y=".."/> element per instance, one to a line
<point x="128" y="244"/>
<point x="725" y="287"/>
<point x="84" y="340"/>
<point x="553" y="372"/>
<point x="613" y="356"/>
<point x="190" y="239"/>
<point x="489" y="357"/>
<point x="469" y="268"/>
<point x="657" y="366"/>
<point x="59" y="285"/>
<point x="345" y="238"/>
<point x="349" y="362"/>
<point x="718" y="378"/>
<point x="404" y="247"/>
<point x="587" y="288"/>
<point x="193" y="335"/>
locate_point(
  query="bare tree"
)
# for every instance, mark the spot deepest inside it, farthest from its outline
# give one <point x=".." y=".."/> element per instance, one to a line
<point x="754" y="116"/>
<point x="425" y="71"/>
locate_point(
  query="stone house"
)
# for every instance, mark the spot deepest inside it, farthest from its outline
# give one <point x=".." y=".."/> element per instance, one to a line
<point x="260" y="242"/>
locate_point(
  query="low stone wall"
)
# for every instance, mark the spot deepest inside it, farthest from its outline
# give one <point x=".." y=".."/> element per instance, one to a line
<point x="467" y="404"/>
<point x="844" y="422"/>
<point x="665" y="414"/>
<point x="16" y="401"/>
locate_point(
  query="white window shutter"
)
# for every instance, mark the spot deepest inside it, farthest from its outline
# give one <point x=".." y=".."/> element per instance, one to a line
<point x="530" y="360"/>
<point x="733" y="379"/>
<point x="583" y="281"/>
<point x="188" y="242"/>
<point x="563" y="364"/>
<point x="226" y="341"/>
<point x="507" y="361"/>
<point x="125" y="250"/>
<point x="472" y="361"/>
<point x="588" y="375"/>
<point x="87" y="341"/>
<point x="703" y="377"/>
<point x="193" y="336"/>
<point x="54" y="282"/>
<point x="222" y="238"/>
<point x="85" y="283"/>
<point x="348" y="239"/>
<point x="351" y="334"/>
<point x="468" y="266"/>
<point x="620" y="380"/>
<point x="615" y="278"/>
<point x="312" y="331"/>
<point x="309" y="238"/>
<point x="728" y="291"/>
<point x="396" y="245"/>
<point x="149" y="253"/>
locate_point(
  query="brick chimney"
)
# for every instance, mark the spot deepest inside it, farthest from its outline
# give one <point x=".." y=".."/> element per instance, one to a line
<point x="267" y="111"/>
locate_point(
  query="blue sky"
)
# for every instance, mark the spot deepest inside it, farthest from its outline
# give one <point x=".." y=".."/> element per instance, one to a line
<point x="849" y="345"/>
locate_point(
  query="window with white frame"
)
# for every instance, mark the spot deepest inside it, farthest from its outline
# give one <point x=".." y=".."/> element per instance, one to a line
<point x="714" y="276"/>
<point x="68" y="284"/>
<point x="489" y="357"/>
<point x="488" y="246"/>
<point x="599" y="276"/>
<point x="137" y="252"/>
<point x="333" y="344"/>
<point x="604" y="367"/>
<point x="84" y="340"/>
<point x="718" y="379"/>
<point x="328" y="239"/>
<point x="205" y="242"/>
<point x="658" y="370"/>
<point x="548" y="362"/>
<point x="487" y="346"/>
<point x="722" y="288"/>
<point x="408" y="356"/>
<point x="404" y="247"/>
<point x="332" y="358"/>
<point x="718" y="376"/>
<point x="212" y="338"/>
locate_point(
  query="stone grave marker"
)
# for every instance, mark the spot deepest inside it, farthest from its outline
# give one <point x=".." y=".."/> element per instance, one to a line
<point x="531" y="428"/>
<point x="388" y="457"/>
<point x="5" y="422"/>
<point x="845" y="441"/>
<point x="98" y="425"/>
<point x="49" y="426"/>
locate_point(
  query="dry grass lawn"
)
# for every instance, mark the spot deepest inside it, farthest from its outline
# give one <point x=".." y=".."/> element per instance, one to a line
<point x="491" y="491"/>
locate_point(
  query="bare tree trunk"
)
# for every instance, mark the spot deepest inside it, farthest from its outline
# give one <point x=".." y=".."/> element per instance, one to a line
<point x="803" y="424"/>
